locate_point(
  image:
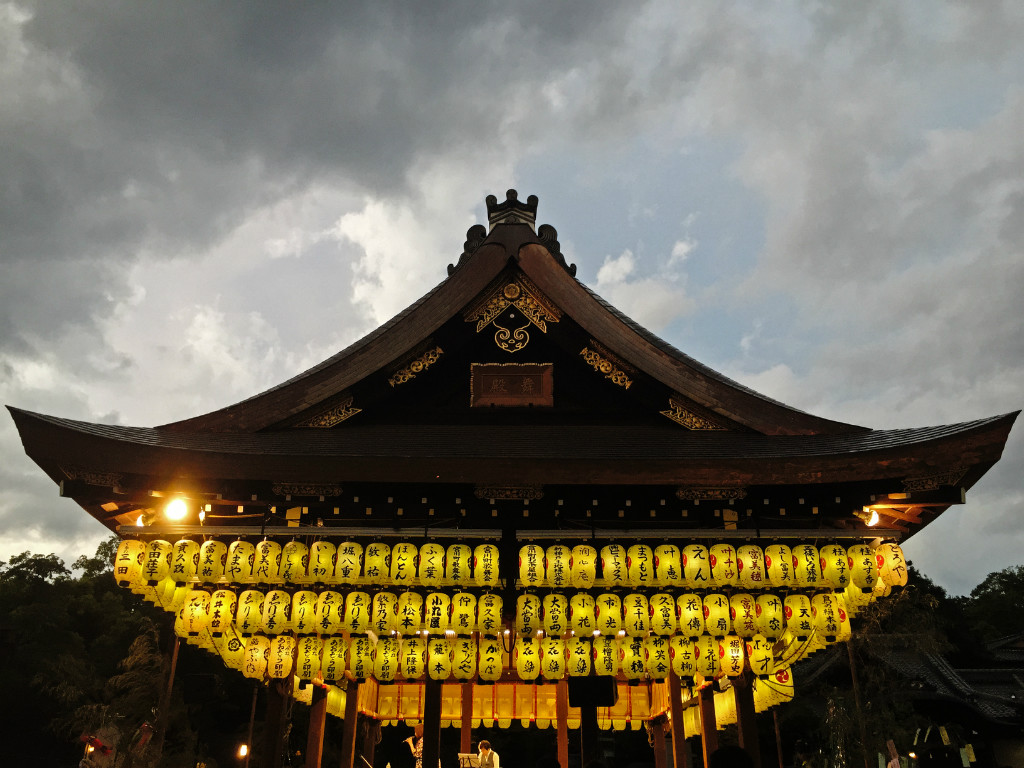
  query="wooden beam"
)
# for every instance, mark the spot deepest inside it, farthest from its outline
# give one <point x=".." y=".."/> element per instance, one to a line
<point x="680" y="749"/>
<point x="897" y="514"/>
<point x="590" y="751"/>
<point x="708" y="729"/>
<point x="315" y="733"/>
<point x="466" y="742"/>
<point x="746" y="717"/>
<point x="562" y="721"/>
<point x="275" y="720"/>
<point x="658" y="729"/>
<point x="349" y="721"/>
<point x="431" y="722"/>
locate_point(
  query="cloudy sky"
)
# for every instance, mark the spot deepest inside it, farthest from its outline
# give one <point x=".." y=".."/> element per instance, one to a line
<point x="824" y="201"/>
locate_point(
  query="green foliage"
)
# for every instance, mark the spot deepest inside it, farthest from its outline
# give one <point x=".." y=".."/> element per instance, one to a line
<point x="996" y="606"/>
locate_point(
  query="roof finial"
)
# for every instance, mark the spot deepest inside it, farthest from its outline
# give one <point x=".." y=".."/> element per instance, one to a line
<point x="512" y="211"/>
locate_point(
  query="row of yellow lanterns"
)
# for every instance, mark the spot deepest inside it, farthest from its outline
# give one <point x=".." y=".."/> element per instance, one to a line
<point x="696" y="566"/>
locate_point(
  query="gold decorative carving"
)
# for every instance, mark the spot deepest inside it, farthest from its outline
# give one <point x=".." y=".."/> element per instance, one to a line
<point x="934" y="482"/>
<point x="520" y="293"/>
<point x="686" y="418"/>
<point x="418" y="365"/>
<point x="509" y="492"/>
<point x="604" y="364"/>
<point x="306" y="489"/>
<point x="106" y="479"/>
<point x="710" y="494"/>
<point x="511" y="341"/>
<point x="332" y="416"/>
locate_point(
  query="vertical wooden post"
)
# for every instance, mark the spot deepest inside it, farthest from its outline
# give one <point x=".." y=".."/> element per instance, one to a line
<point x="466" y="742"/>
<point x="660" y="756"/>
<point x="680" y="749"/>
<point x="317" y="721"/>
<point x="349" y="721"/>
<point x="163" y="708"/>
<point x="708" y="730"/>
<point x="371" y="735"/>
<point x="278" y="693"/>
<point x="562" y="721"/>
<point x="431" y="722"/>
<point x="252" y="721"/>
<point x="778" y="736"/>
<point x="589" y="733"/>
<point x="746" y="717"/>
<point x="856" y="702"/>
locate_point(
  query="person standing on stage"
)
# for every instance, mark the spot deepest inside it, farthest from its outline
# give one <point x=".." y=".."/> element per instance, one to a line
<point x="415" y="743"/>
<point x="488" y="757"/>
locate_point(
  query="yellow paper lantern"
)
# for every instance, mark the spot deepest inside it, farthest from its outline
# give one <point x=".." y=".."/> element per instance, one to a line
<point x="856" y="599"/>
<point x="528" y="621"/>
<point x="294" y="562"/>
<point x="330" y="612"/>
<point x="197" y="611"/>
<point x="717" y="620"/>
<point x="241" y="559"/>
<point x="663" y="614"/>
<point x="384" y="613"/>
<point x="527" y="658"/>
<point x="333" y="659"/>
<point x="357" y="613"/>
<point x="410" y="613"/>
<point x="771" y="618"/>
<point x="302" y="693"/>
<point x="463" y="621"/>
<point x="231" y="648"/>
<point x="360" y="656"/>
<point x="825" y="613"/>
<point x="750" y="562"/>
<point x="555" y="611"/>
<point x="759" y="656"/>
<point x="743" y="614"/>
<point x="490" y="663"/>
<point x="696" y="566"/>
<point x="668" y="565"/>
<point x="267" y="569"/>
<point x="257" y="653"/>
<point x="488" y="614"/>
<point x="582" y="614"/>
<point x="303" y="613"/>
<point x="348" y="559"/>
<point x="184" y="561"/>
<point x="128" y="562"/>
<point x="580" y="653"/>
<point x="835" y="569"/>
<point x="657" y="658"/>
<point x="431" y="565"/>
<point x="640" y="565"/>
<point x="459" y="565"/>
<point x="891" y="565"/>
<point x="731" y="654"/>
<point x="556" y="565"/>
<point x="705" y="651"/>
<point x="806" y="566"/>
<point x="213" y="556"/>
<point x="690" y="614"/>
<point x="157" y="564"/>
<point x="307" y="659"/>
<point x="385" y="659"/>
<point x="321" y="562"/>
<point x="583" y="566"/>
<point x="485" y="566"/>
<point x="249" y="616"/>
<point x="863" y="567"/>
<point x="606" y="655"/>
<point x="403" y="564"/>
<point x="608" y="614"/>
<point x="437" y="611"/>
<point x="552" y="654"/>
<point x="531" y="566"/>
<point x="845" y="630"/>
<point x="778" y="565"/>
<point x="613" y="565"/>
<point x="684" y="659"/>
<point x="277" y="608"/>
<point x="724" y="569"/>
<point x="636" y="615"/>
<point x="464" y="652"/>
<point x="377" y="563"/>
<point x="798" y="616"/>
<point x="631" y="657"/>
<point x="222" y="611"/>
<point x="282" y="649"/>
<point x="414" y="658"/>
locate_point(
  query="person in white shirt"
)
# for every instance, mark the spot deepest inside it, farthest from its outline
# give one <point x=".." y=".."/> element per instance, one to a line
<point x="488" y="757"/>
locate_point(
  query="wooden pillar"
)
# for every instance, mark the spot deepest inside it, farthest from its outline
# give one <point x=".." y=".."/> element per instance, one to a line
<point x="562" y="721"/>
<point x="660" y="756"/>
<point x="589" y="733"/>
<point x="746" y="717"/>
<point x="317" y="721"/>
<point x="431" y="722"/>
<point x="164" y="707"/>
<point x="466" y="743"/>
<point x="348" y="728"/>
<point x="708" y="730"/>
<point x="278" y="693"/>
<point x="371" y="736"/>
<point x="680" y="749"/>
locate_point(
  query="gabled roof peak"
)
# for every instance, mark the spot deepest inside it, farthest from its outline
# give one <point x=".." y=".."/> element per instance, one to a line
<point x="512" y="211"/>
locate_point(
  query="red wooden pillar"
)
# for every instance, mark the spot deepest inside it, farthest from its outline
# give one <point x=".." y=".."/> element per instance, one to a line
<point x="348" y="728"/>
<point x="708" y="730"/>
<point x="317" y="721"/>
<point x="466" y="743"/>
<point x="431" y="722"/>
<point x="562" y="721"/>
<point x="746" y="716"/>
<point x="680" y="749"/>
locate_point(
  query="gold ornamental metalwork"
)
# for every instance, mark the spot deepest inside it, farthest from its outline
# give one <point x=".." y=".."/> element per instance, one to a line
<point x="520" y="293"/>
<point x="306" y="489"/>
<point x="332" y="416"/>
<point x="681" y="415"/>
<point x="89" y="477"/>
<point x="936" y="481"/>
<point x="604" y="364"/>
<point x="417" y="366"/>
<point x="509" y="492"/>
<point x="711" y="494"/>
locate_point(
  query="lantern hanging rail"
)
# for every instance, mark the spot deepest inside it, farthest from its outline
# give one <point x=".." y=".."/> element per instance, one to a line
<point x="587" y="534"/>
<point x="365" y="531"/>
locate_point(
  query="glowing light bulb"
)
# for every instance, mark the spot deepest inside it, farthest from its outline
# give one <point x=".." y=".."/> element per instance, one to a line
<point x="175" y="509"/>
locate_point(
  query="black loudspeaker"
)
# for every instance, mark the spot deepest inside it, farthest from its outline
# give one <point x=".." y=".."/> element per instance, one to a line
<point x="593" y="692"/>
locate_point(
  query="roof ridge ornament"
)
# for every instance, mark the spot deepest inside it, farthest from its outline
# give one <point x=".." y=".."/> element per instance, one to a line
<point x="511" y="211"/>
